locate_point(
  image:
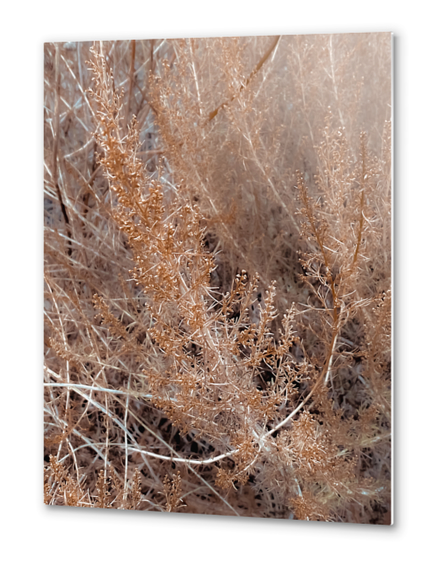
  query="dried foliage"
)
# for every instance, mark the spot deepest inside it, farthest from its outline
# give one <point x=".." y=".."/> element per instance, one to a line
<point x="218" y="275"/>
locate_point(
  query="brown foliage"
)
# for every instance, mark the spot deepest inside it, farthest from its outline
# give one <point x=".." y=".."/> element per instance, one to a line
<point x="217" y="276"/>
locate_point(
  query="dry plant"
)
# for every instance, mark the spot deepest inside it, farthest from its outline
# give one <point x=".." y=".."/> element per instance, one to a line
<point x="218" y="275"/>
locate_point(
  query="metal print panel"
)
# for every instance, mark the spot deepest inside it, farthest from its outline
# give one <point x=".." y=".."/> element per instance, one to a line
<point x="218" y="276"/>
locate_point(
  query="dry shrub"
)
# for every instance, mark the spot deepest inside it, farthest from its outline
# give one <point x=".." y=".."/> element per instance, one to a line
<point x="217" y="276"/>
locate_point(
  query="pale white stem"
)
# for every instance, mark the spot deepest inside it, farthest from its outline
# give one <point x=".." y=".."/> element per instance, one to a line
<point x="125" y="491"/>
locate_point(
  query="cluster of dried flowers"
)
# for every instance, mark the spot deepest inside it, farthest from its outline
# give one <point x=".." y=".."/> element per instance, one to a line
<point x="217" y="276"/>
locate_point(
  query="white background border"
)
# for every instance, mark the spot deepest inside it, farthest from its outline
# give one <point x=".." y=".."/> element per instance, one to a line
<point x="29" y="529"/>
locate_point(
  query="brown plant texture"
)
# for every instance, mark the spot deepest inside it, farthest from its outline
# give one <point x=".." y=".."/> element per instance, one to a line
<point x="218" y="276"/>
